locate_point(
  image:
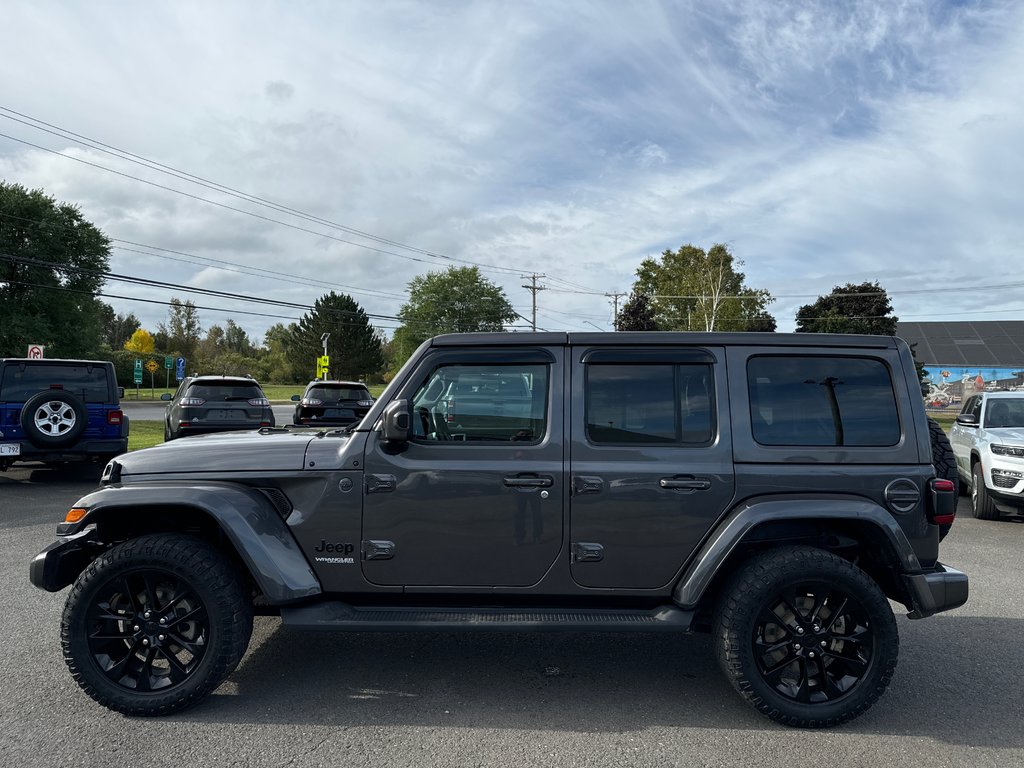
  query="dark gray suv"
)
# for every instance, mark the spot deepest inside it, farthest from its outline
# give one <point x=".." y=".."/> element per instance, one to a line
<point x="204" y="404"/>
<point x="776" y="490"/>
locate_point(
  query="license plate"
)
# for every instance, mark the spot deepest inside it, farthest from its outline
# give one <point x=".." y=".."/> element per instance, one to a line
<point x="10" y="449"/>
<point x="228" y="415"/>
<point x="339" y="413"/>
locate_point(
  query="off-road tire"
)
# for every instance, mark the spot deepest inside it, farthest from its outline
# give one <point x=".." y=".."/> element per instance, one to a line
<point x="742" y="642"/>
<point x="214" y="601"/>
<point x="944" y="462"/>
<point x="982" y="506"/>
<point x="71" y="412"/>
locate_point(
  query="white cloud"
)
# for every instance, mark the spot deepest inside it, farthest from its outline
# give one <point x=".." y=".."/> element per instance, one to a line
<point x="826" y="144"/>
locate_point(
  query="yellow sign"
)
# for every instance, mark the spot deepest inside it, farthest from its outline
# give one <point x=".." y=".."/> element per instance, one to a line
<point x="152" y="366"/>
<point x="322" y="365"/>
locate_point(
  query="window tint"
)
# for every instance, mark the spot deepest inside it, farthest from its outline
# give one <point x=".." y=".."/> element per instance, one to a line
<point x="482" y="404"/>
<point x="329" y="394"/>
<point x="226" y="390"/>
<point x="822" y="401"/>
<point x="88" y="382"/>
<point x="648" y="403"/>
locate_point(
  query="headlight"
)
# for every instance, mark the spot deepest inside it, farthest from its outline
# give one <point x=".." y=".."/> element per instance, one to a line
<point x="1008" y="450"/>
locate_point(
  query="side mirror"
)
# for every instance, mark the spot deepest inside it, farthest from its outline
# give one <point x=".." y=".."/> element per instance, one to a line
<point x="120" y="393"/>
<point x="296" y="398"/>
<point x="397" y="421"/>
<point x="967" y="420"/>
<point x="165" y="396"/>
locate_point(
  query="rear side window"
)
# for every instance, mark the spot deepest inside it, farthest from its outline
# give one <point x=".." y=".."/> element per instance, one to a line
<point x="847" y="401"/>
<point x="88" y="382"/>
<point x="649" y="404"/>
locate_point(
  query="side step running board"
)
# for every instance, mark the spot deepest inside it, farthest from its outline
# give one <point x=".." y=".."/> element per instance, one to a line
<point x="342" y="616"/>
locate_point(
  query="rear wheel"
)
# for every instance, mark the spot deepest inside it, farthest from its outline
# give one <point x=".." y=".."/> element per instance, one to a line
<point x="982" y="506"/>
<point x="155" y="624"/>
<point x="943" y="461"/>
<point x="806" y="637"/>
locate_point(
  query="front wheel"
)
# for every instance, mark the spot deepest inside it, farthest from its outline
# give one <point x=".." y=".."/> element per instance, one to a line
<point x="155" y="624"/>
<point x="982" y="506"/>
<point x="806" y="637"/>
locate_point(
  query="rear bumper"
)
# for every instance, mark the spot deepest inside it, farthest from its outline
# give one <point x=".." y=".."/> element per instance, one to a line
<point x="59" y="564"/>
<point x="941" y="589"/>
<point x="83" y="451"/>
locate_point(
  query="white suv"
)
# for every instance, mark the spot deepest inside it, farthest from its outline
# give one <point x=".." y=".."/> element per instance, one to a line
<point x="988" y="443"/>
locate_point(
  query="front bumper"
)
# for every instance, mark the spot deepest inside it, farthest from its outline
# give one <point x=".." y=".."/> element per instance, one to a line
<point x="59" y="564"/>
<point x="940" y="589"/>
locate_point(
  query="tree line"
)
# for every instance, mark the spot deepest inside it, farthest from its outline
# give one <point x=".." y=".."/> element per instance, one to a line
<point x="53" y="264"/>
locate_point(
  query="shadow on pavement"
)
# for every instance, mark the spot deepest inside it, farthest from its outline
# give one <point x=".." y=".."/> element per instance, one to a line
<point x="965" y="689"/>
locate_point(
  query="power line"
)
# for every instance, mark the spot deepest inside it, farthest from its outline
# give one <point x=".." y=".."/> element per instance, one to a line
<point x="223" y="189"/>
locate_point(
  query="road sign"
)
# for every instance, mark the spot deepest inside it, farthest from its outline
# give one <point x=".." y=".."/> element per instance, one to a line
<point x="138" y="371"/>
<point x="168" y="362"/>
<point x="35" y="351"/>
<point x="322" y="365"/>
<point x="152" y="366"/>
<point x="179" y="368"/>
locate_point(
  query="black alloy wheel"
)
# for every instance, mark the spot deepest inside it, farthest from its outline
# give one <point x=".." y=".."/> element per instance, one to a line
<point x="147" y="630"/>
<point x="806" y="637"/>
<point x="155" y="624"/>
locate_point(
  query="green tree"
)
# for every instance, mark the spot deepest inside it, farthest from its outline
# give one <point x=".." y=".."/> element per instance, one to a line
<point x="52" y="265"/>
<point x="851" y="308"/>
<point x="458" y="300"/>
<point x="183" y="331"/>
<point x="116" y="328"/>
<point x="236" y="339"/>
<point x="275" y="363"/>
<point x="636" y="314"/>
<point x="141" y="342"/>
<point x="696" y="290"/>
<point x="354" y="347"/>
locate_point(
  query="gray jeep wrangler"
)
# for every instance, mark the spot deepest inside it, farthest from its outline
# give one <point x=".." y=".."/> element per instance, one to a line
<point x="772" y="489"/>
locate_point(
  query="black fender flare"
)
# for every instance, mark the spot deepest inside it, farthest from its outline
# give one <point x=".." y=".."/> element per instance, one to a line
<point x="745" y="517"/>
<point x="247" y="518"/>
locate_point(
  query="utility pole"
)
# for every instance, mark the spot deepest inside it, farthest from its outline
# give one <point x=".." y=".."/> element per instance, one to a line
<point x="533" y="288"/>
<point x="615" y="318"/>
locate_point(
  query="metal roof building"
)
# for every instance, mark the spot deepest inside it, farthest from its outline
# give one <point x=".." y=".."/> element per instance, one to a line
<point x="987" y="343"/>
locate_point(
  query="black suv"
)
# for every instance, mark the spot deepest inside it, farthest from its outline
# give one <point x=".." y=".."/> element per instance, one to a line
<point x="204" y="404"/>
<point x="60" y="410"/>
<point x="332" y="403"/>
<point x="776" y="490"/>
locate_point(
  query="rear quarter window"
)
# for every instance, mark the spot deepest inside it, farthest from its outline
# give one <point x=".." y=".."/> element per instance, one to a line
<point x="822" y="401"/>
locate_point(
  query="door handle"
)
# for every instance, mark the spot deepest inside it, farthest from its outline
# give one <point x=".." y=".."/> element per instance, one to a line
<point x="685" y="483"/>
<point x="529" y="481"/>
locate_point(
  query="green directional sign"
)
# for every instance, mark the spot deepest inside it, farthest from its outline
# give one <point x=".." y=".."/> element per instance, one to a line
<point x="169" y="362"/>
<point x="138" y="371"/>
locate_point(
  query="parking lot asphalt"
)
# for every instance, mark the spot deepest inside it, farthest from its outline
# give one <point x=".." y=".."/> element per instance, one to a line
<point x="573" y="699"/>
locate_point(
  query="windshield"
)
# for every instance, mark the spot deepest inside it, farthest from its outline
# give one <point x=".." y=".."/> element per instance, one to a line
<point x="1004" y="412"/>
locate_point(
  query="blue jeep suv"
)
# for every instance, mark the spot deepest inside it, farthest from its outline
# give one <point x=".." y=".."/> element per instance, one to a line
<point x="60" y="410"/>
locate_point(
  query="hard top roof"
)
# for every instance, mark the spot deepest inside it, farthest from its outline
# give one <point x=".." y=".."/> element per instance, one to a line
<point x="665" y="338"/>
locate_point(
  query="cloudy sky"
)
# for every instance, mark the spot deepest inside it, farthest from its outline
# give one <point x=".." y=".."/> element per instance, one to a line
<point x="825" y="143"/>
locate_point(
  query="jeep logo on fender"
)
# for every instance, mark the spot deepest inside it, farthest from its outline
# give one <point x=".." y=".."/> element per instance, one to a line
<point x="340" y="547"/>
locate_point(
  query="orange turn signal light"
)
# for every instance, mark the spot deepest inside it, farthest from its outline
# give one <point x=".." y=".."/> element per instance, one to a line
<point x="75" y="514"/>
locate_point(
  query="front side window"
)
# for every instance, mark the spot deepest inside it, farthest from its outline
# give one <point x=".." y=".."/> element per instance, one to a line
<point x="482" y="404"/>
<point x="833" y="401"/>
<point x="648" y="404"/>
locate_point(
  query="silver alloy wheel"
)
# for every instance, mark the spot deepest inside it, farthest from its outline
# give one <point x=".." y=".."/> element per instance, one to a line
<point x="54" y="418"/>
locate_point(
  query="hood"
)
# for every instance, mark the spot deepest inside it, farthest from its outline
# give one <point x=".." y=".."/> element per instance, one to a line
<point x="219" y="454"/>
<point x="1011" y="435"/>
